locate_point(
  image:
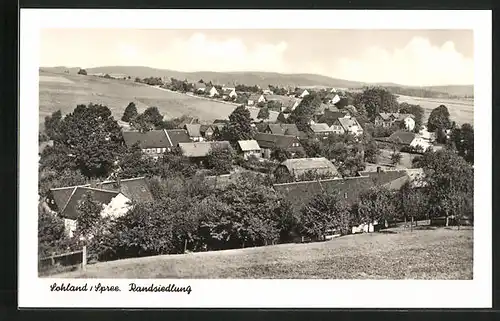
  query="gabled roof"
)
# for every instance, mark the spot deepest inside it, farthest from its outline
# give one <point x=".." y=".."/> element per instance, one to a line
<point x="176" y="136"/>
<point x="255" y="97"/>
<point x="395" y="116"/>
<point x="248" y="145"/>
<point x="299" y="166"/>
<point x="227" y="91"/>
<point x="274" y="141"/>
<point x="392" y="179"/>
<point x="284" y="129"/>
<point x="254" y="113"/>
<point x="320" y="128"/>
<point x="102" y="196"/>
<point x="205" y="128"/>
<point x="200" y="149"/>
<point x="199" y="85"/>
<point x="300" y="193"/>
<point x="149" y="139"/>
<point x="403" y="136"/>
<point x="193" y="130"/>
<point x="135" y="189"/>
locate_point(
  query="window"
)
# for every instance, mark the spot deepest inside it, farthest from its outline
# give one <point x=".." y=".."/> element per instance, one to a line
<point x="345" y="195"/>
<point x="158" y="150"/>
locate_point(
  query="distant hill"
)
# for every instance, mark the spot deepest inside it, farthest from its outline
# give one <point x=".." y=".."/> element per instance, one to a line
<point x="262" y="79"/>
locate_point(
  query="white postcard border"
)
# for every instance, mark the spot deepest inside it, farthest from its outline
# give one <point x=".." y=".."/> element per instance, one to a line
<point x="35" y="292"/>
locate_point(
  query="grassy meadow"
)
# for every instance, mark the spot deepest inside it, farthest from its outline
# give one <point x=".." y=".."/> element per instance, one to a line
<point x="65" y="91"/>
<point x="461" y="111"/>
<point x="397" y="253"/>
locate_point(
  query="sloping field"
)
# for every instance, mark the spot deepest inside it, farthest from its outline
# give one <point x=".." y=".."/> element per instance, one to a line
<point x="443" y="253"/>
<point x="461" y="111"/>
<point x="64" y="91"/>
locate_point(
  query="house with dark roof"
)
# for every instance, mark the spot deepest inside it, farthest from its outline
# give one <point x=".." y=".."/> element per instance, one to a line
<point x="229" y="93"/>
<point x="156" y="142"/>
<point x="404" y="138"/>
<point x="300" y="93"/>
<point x="332" y="98"/>
<point x="115" y="196"/>
<point x="194" y="132"/>
<point x="207" y="131"/>
<point x="298" y="168"/>
<point x="282" y="129"/>
<point x="254" y="115"/>
<point x="269" y="142"/>
<point x="249" y="148"/>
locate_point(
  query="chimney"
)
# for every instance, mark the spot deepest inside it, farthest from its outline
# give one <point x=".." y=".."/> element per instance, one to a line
<point x="379" y="169"/>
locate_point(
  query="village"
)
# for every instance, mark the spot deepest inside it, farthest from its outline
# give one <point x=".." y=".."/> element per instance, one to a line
<point x="288" y="165"/>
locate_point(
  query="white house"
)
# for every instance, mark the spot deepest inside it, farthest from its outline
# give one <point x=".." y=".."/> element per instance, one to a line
<point x="254" y="99"/>
<point x="212" y="92"/>
<point x="249" y="148"/>
<point x="409" y="139"/>
<point x="350" y="125"/>
<point x="229" y="93"/>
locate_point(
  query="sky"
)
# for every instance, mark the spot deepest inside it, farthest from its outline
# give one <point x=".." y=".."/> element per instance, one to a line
<point x="406" y="57"/>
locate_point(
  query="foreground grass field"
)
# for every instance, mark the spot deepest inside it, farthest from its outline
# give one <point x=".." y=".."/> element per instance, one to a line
<point x="461" y="111"/>
<point x="65" y="91"/>
<point x="428" y="253"/>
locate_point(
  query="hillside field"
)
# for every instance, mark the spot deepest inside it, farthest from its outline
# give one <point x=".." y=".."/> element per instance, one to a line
<point x="65" y="91"/>
<point x="424" y="253"/>
<point x="461" y="111"/>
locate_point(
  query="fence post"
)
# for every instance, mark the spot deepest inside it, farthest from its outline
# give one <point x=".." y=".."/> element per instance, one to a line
<point x="52" y="261"/>
<point x="84" y="257"/>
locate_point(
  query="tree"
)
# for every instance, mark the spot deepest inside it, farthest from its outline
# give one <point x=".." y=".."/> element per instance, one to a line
<point x="52" y="124"/>
<point x="342" y="103"/>
<point x="439" y="119"/>
<point x="239" y="126"/>
<point x="82" y="72"/>
<point x="396" y="157"/>
<point x="325" y="212"/>
<point x="463" y="138"/>
<point x="376" y="100"/>
<point x="152" y="116"/>
<point x="280" y="154"/>
<point x="305" y="111"/>
<point x="130" y="112"/>
<point x="51" y="233"/>
<point x="88" y="139"/>
<point x="449" y="183"/>
<point x="220" y="160"/>
<point x="88" y="216"/>
<point x="134" y="164"/>
<point x="411" y="203"/>
<point x="376" y="204"/>
<point x="263" y="113"/>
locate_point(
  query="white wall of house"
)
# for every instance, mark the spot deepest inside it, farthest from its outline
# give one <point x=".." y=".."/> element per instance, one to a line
<point x="420" y="141"/>
<point x="255" y="153"/>
<point x="409" y="123"/>
<point x="337" y="129"/>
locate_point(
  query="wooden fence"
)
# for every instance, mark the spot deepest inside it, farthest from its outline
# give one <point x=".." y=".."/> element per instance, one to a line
<point x="63" y="262"/>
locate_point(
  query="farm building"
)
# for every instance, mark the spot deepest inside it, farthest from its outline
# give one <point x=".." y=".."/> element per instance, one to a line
<point x="249" y="148"/>
<point x="212" y="92"/>
<point x="156" y="142"/>
<point x="254" y="113"/>
<point x="388" y="119"/>
<point x="207" y="131"/>
<point x="114" y="195"/>
<point x="296" y="168"/>
<point x="229" y="93"/>
<point x="300" y="93"/>
<point x="268" y="142"/>
<point x="197" y="151"/>
<point x="332" y="98"/>
<point x="254" y="99"/>
<point x="194" y="132"/>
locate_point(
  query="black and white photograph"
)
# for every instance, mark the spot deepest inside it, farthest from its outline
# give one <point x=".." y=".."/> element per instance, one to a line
<point x="233" y="153"/>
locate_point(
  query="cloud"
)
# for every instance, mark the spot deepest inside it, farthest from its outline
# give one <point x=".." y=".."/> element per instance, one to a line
<point x="199" y="52"/>
<point x="419" y="63"/>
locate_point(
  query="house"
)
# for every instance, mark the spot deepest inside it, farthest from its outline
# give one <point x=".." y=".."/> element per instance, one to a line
<point x="255" y="99"/>
<point x="212" y="92"/>
<point x="249" y="148"/>
<point x="332" y="98"/>
<point x="254" y="113"/>
<point x="194" y="132"/>
<point x="408" y="139"/>
<point x="298" y="167"/>
<point x="300" y="93"/>
<point x="287" y="103"/>
<point x="197" y="151"/>
<point x="282" y="129"/>
<point x="114" y="195"/>
<point x="156" y="142"/>
<point x="199" y="88"/>
<point x="320" y="130"/>
<point x="269" y="142"/>
<point x="389" y="119"/>
<point x="349" y="125"/>
<point x="267" y="92"/>
<point x="207" y="131"/>
<point x="229" y="93"/>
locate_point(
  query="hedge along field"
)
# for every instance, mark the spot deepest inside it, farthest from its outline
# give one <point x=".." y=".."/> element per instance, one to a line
<point x="64" y="92"/>
<point x="461" y="111"/>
